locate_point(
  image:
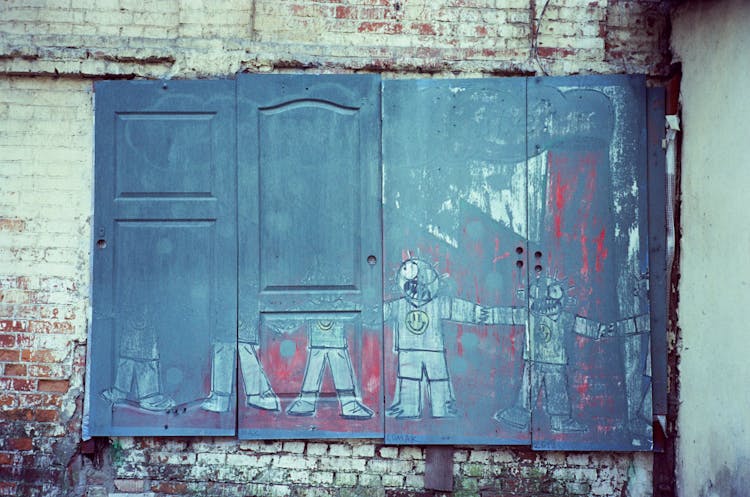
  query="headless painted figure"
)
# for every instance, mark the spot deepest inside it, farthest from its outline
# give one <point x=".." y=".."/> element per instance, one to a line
<point x="257" y="387"/>
<point x="138" y="366"/>
<point x="327" y="345"/>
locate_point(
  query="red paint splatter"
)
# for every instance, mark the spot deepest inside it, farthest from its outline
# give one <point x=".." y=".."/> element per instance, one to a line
<point x="479" y="250"/>
<point x="601" y="251"/>
<point x="584" y="254"/>
<point x="561" y="196"/>
<point x="583" y="387"/>
<point x="501" y="257"/>
<point x="371" y="362"/>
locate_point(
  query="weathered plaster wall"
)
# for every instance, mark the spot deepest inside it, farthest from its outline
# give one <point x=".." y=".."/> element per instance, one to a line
<point x="50" y="50"/>
<point x="712" y="39"/>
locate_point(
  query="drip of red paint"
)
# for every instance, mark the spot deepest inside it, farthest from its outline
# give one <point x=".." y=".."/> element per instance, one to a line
<point x="601" y="251"/>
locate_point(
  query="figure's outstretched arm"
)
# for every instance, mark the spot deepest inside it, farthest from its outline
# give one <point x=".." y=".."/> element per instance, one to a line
<point x="508" y="315"/>
<point x="463" y="311"/>
<point x="623" y="327"/>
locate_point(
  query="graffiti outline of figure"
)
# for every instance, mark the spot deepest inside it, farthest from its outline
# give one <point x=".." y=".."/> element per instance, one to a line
<point x="419" y="342"/>
<point x="545" y="357"/>
<point x="138" y="365"/>
<point x="327" y="345"/>
<point x="257" y="387"/>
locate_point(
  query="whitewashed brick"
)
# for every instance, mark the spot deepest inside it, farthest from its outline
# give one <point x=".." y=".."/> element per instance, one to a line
<point x="370" y="480"/>
<point x="294" y="447"/>
<point x="345" y="479"/>
<point x="340" y="450"/>
<point x="388" y="452"/>
<point x="363" y="450"/>
<point x="317" y="449"/>
<point x="393" y="481"/>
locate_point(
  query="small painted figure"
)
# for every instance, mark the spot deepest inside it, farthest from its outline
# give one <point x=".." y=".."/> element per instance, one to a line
<point x="419" y="343"/>
<point x="327" y="344"/>
<point x="258" y="391"/>
<point x="546" y="359"/>
<point x="138" y="366"/>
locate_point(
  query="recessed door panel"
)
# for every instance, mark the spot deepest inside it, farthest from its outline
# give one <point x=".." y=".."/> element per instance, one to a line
<point x="310" y="193"/>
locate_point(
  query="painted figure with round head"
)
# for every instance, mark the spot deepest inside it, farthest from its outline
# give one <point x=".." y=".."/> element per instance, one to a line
<point x="417" y="319"/>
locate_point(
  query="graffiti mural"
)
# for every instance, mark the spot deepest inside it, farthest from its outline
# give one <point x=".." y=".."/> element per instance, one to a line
<point x="528" y="194"/>
<point x="425" y="261"/>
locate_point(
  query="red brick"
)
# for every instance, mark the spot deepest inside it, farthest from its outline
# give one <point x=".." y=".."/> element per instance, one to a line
<point x="20" y="282"/>
<point x="6" y="458"/>
<point x="380" y="27"/>
<point x="7" y="340"/>
<point x="48" y="371"/>
<point x="53" y="385"/>
<point x="554" y="52"/>
<point x="46" y="415"/>
<point x="8" y="488"/>
<point x="40" y="400"/>
<point x="423" y="28"/>
<point x="9" y="355"/>
<point x="8" y="325"/>
<point x="40" y="355"/>
<point x="7" y="400"/>
<point x="24" y="340"/>
<point x="15" y="370"/>
<point x="12" y="224"/>
<point x="19" y="443"/>
<point x="344" y="13"/>
<point x="50" y="327"/>
<point x="20" y="385"/>
<point x="18" y="415"/>
<point x="35" y="311"/>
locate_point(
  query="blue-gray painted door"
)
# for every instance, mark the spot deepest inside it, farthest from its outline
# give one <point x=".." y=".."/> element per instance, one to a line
<point x="587" y="365"/>
<point x="456" y="221"/>
<point x="164" y="256"/>
<point x="310" y="336"/>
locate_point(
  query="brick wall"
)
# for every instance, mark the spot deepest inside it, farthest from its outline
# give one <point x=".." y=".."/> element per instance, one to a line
<point x="200" y="38"/>
<point x="45" y="208"/>
<point x="344" y="469"/>
<point x="50" y="50"/>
